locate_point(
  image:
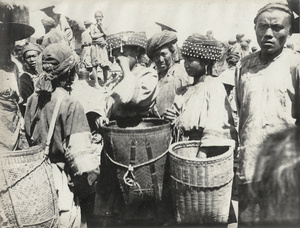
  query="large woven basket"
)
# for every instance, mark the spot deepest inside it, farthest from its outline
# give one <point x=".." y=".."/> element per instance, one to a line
<point x="201" y="186"/>
<point x="27" y="192"/>
<point x="145" y="144"/>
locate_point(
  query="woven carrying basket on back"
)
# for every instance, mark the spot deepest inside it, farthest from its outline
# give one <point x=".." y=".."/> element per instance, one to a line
<point x="201" y="186"/>
<point x="143" y="148"/>
<point x="27" y="192"/>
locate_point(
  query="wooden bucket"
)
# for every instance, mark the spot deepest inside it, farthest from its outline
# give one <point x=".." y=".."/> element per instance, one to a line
<point x="27" y="193"/>
<point x="201" y="186"/>
<point x="142" y="148"/>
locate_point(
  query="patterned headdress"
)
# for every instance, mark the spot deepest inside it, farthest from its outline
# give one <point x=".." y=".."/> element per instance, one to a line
<point x="128" y="38"/>
<point x="200" y="46"/>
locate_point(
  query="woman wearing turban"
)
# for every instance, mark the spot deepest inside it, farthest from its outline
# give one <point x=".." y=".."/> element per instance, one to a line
<point x="202" y="111"/>
<point x="134" y="96"/>
<point x="70" y="150"/>
<point x="171" y="76"/>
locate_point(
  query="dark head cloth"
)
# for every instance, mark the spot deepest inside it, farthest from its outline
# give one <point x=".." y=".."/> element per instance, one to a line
<point x="31" y="47"/>
<point x="200" y="46"/>
<point x="276" y="5"/>
<point x="57" y="60"/>
<point x="159" y="40"/>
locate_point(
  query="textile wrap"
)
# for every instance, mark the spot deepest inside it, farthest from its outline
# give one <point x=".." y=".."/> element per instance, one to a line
<point x="57" y="60"/>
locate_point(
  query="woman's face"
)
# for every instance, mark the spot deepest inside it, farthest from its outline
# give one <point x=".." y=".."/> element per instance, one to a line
<point x="130" y="52"/>
<point x="163" y="59"/>
<point x="193" y="66"/>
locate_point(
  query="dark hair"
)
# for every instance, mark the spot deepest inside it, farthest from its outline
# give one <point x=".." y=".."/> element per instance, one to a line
<point x="276" y="181"/>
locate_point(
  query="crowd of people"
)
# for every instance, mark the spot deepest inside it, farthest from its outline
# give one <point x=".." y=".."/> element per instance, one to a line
<point x="207" y="90"/>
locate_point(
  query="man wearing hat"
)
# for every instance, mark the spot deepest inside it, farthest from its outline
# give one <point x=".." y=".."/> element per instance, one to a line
<point x="61" y="24"/>
<point x="11" y="119"/>
<point x="30" y="54"/>
<point x="177" y="56"/>
<point x="267" y="93"/>
<point x="86" y="42"/>
<point x="172" y="76"/>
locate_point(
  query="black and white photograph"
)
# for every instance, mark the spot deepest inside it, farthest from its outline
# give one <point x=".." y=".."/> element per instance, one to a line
<point x="140" y="113"/>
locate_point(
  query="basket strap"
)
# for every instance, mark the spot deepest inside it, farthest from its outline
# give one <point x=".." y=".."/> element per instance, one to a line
<point x="139" y="165"/>
<point x="52" y="123"/>
<point x="132" y="152"/>
<point x="152" y="171"/>
<point x="129" y="177"/>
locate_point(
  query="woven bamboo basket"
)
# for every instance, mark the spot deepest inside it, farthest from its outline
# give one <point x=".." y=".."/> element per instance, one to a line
<point x="27" y="192"/>
<point x="146" y="143"/>
<point x="201" y="186"/>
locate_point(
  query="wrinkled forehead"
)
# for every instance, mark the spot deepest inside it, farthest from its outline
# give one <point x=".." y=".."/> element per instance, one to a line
<point x="274" y="16"/>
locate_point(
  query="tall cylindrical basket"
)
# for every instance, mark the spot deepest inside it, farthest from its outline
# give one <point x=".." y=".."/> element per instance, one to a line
<point x="138" y="153"/>
<point x="201" y="186"/>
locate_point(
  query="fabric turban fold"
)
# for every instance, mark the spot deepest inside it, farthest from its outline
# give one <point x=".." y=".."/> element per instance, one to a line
<point x="200" y="46"/>
<point x="276" y="5"/>
<point x="159" y="40"/>
<point x="57" y="60"/>
<point x="31" y="47"/>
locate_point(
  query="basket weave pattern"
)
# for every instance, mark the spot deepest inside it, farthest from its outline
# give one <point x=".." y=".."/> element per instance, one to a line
<point x="118" y="144"/>
<point x="27" y="196"/>
<point x="201" y="187"/>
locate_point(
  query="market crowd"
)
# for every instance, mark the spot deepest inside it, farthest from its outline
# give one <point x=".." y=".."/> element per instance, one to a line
<point x="207" y="90"/>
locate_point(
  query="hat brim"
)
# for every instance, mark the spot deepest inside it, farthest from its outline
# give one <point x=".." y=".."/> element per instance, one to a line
<point x="16" y="31"/>
<point x="165" y="27"/>
<point x="48" y="7"/>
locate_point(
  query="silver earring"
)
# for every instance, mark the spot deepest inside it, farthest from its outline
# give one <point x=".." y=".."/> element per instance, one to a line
<point x="205" y="69"/>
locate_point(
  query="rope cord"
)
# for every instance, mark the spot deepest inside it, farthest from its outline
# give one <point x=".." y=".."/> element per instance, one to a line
<point x="139" y="165"/>
<point x="21" y="178"/>
<point x="129" y="178"/>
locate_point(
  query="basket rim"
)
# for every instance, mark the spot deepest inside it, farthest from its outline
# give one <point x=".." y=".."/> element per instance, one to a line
<point x="164" y="125"/>
<point x="195" y="159"/>
<point x="25" y="152"/>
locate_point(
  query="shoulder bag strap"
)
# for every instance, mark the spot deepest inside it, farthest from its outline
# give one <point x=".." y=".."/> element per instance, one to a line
<point x="52" y="123"/>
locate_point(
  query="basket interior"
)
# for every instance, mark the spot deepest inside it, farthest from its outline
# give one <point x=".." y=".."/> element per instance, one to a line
<point x="135" y="123"/>
<point x="200" y="152"/>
